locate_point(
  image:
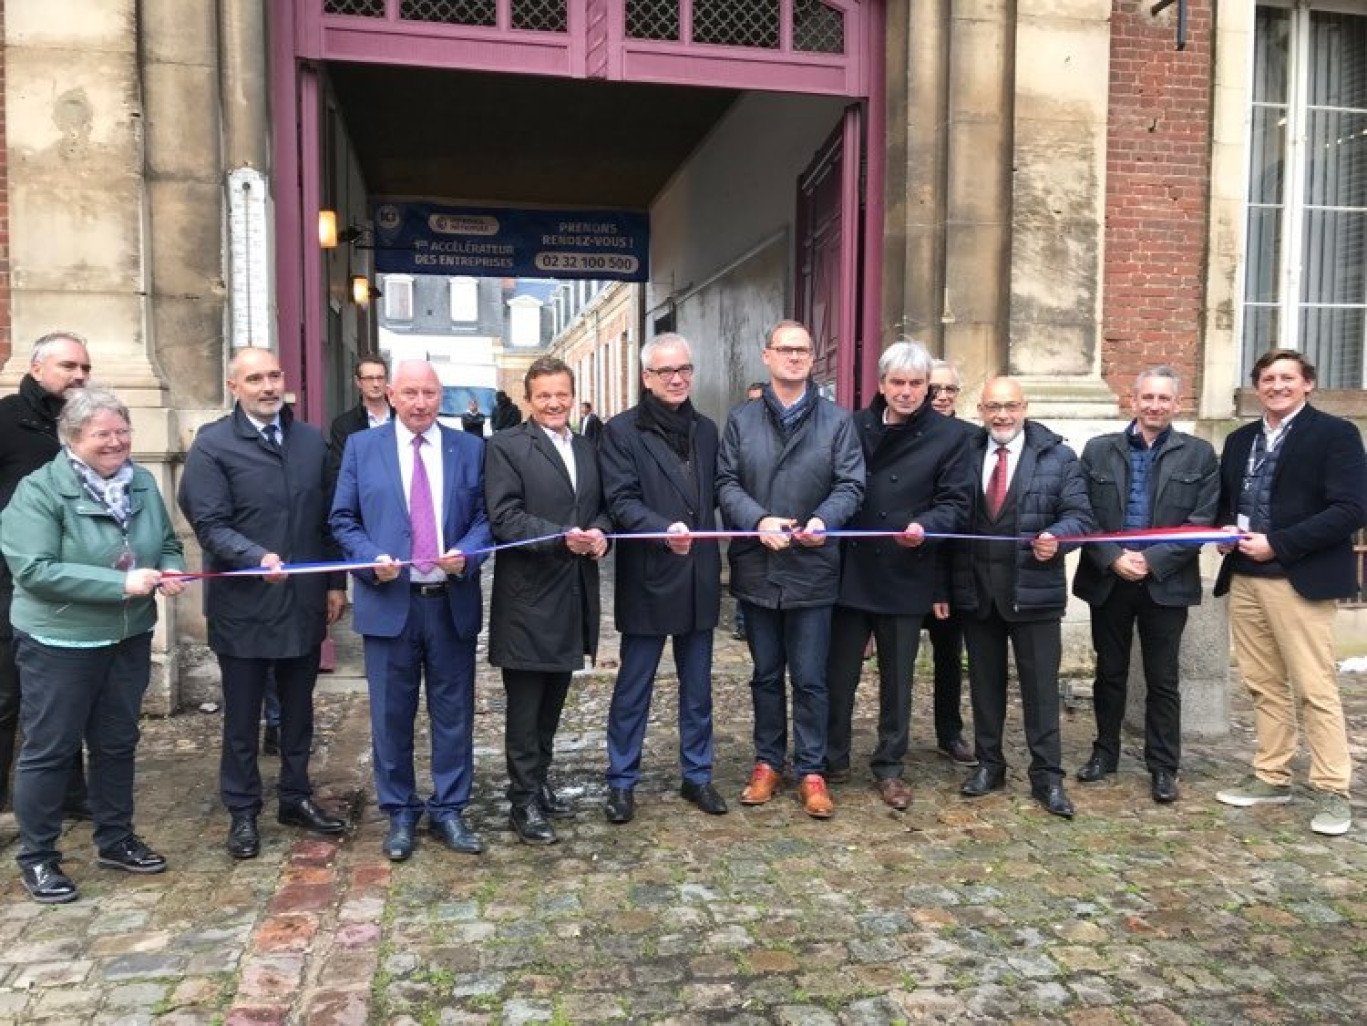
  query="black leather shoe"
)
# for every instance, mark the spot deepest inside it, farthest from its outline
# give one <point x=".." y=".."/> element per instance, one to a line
<point x="704" y="796"/>
<point x="1095" y="768"/>
<point x="621" y="805"/>
<point x="244" y="842"/>
<point x="398" y="842"/>
<point x="457" y="835"/>
<point x="310" y="815"/>
<point x="1164" y="789"/>
<point x="1054" y="799"/>
<point x="270" y="740"/>
<point x="983" y="780"/>
<point x="132" y="856"/>
<point x="47" y="884"/>
<point x="551" y="804"/>
<point x="531" y="826"/>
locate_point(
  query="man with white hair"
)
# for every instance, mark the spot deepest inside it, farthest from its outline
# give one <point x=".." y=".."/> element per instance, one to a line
<point x="28" y="440"/>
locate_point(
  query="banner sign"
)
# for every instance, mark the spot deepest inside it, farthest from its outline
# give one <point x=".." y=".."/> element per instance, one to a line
<point x="499" y="242"/>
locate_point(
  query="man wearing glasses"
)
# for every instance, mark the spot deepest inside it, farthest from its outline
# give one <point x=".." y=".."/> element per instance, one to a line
<point x="372" y="382"/>
<point x="659" y="464"/>
<point x="790" y="468"/>
<point x="1030" y="485"/>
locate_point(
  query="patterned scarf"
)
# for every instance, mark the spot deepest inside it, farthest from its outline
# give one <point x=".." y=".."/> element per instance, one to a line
<point x="110" y="492"/>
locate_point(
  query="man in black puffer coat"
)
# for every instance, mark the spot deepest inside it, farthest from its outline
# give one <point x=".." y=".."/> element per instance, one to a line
<point x="1032" y="487"/>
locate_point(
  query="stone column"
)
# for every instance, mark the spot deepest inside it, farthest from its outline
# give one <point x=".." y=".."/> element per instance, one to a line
<point x="1205" y="676"/>
<point x="1062" y="88"/>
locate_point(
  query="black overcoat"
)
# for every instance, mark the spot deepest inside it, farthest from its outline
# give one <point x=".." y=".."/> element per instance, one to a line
<point x="545" y="599"/>
<point x="646" y="488"/>
<point x="244" y="500"/>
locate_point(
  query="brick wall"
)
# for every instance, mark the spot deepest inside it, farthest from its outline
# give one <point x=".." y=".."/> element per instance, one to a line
<point x="1157" y="194"/>
<point x="5" y="337"/>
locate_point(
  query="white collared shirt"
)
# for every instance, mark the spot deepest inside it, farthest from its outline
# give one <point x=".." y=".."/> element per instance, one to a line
<point x="1273" y="435"/>
<point x="379" y="421"/>
<point x="1014" y="448"/>
<point x="431" y="461"/>
<point x="564" y="444"/>
<point x="261" y="426"/>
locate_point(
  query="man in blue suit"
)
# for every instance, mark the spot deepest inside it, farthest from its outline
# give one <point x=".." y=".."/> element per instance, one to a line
<point x="410" y="497"/>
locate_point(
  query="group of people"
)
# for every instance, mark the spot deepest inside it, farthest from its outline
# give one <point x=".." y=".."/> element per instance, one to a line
<point x="939" y="523"/>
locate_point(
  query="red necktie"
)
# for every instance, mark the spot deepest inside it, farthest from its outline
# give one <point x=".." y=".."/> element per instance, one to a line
<point x="996" y="484"/>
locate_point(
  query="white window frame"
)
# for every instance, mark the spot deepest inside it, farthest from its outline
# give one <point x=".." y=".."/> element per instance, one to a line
<point x="1290" y="252"/>
<point x="398" y="295"/>
<point x="464" y="298"/>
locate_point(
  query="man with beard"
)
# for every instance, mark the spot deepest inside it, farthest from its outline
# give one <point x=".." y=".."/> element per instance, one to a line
<point x="659" y="462"/>
<point x="1009" y="592"/>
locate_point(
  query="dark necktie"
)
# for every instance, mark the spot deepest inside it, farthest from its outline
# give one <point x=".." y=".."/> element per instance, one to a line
<point x="420" y="514"/>
<point x="996" y="484"/>
<point x="271" y="434"/>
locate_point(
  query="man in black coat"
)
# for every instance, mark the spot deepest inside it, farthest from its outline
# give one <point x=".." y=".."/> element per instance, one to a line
<point x="1031" y="485"/>
<point x="541" y="481"/>
<point x="1295" y="483"/>
<point x="256" y="489"/>
<point x="1148" y="475"/>
<point x="918" y="482"/>
<point x="372" y="382"/>
<point x="506" y="414"/>
<point x="659" y="463"/>
<point x="590" y="424"/>
<point x="28" y="440"/>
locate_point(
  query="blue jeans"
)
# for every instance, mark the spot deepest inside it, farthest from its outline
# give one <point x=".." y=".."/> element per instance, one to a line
<point x="795" y="641"/>
<point x="630" y="709"/>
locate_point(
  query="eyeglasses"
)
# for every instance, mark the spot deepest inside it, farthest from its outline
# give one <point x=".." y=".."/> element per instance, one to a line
<point x="945" y="390"/>
<point x="683" y="372"/>
<point x="792" y="352"/>
<point x="370" y="379"/>
<point x="995" y="408"/>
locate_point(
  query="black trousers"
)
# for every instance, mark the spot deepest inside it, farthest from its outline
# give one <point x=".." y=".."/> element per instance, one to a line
<point x="1160" y="642"/>
<point x="535" y="699"/>
<point x="10" y="697"/>
<point x="947" y="650"/>
<point x="1038" y="647"/>
<point x="244" y="686"/>
<point x="898" y="638"/>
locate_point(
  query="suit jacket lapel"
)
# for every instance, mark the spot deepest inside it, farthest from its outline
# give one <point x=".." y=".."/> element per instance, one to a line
<point x="543" y="445"/>
<point x="389" y="461"/>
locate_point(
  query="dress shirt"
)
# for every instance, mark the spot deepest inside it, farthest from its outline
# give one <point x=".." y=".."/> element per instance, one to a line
<point x="375" y="421"/>
<point x="1014" y="448"/>
<point x="431" y="460"/>
<point x="564" y="444"/>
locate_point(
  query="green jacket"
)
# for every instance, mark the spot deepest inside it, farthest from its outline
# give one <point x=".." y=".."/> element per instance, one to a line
<point x="62" y="546"/>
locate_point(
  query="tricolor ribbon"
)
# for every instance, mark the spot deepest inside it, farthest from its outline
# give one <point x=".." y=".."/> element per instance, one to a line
<point x="1183" y="535"/>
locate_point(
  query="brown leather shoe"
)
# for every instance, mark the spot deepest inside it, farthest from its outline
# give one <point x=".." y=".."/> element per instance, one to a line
<point x="816" y="802"/>
<point x="894" y="792"/>
<point x="764" y="781"/>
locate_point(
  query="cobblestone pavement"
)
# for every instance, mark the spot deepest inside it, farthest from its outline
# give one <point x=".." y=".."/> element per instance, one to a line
<point x="955" y="910"/>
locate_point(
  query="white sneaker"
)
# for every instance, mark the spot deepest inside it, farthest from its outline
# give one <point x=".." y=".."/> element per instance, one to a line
<point x="1333" y="816"/>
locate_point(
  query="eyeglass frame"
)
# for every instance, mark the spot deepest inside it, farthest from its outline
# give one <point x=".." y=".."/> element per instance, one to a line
<point x="684" y="372"/>
<point x="792" y="352"/>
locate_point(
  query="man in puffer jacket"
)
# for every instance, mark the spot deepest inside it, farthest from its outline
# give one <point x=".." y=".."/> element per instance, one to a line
<point x="1032" y="488"/>
<point x="790" y="466"/>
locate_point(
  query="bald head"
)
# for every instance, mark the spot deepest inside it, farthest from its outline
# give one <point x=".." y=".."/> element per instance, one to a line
<point x="415" y="394"/>
<point x="1003" y="409"/>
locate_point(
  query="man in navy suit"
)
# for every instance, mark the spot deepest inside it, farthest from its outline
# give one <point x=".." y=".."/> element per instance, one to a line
<point x="1295" y="483"/>
<point x="410" y="497"/>
<point x="659" y="462"/>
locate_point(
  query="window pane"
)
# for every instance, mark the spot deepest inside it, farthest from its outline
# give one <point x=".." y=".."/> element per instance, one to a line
<point x="1332" y="338"/>
<point x="1336" y="159"/>
<point x="1263" y="265"/>
<point x="1262" y="325"/>
<point x="1333" y="257"/>
<point x="1272" y="49"/>
<point x="1266" y="155"/>
<point x="1338" y="60"/>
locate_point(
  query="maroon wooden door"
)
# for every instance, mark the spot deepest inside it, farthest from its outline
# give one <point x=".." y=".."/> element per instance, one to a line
<point x="829" y="224"/>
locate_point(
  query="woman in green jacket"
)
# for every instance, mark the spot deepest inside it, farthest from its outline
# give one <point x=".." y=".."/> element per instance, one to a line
<point x="87" y="538"/>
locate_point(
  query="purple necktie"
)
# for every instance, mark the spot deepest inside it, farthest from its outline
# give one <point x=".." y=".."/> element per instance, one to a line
<point x="423" y="520"/>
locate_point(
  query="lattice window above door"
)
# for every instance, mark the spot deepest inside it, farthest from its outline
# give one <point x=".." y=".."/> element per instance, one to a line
<point x="541" y="15"/>
<point x="451" y="12"/>
<point x="653" y="19"/>
<point x="817" y="28"/>
<point x="361" y="8"/>
<point x="737" y="23"/>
